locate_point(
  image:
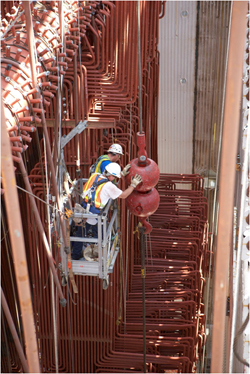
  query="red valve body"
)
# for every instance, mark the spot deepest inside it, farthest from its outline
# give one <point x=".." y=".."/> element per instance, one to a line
<point x="145" y="199"/>
<point x="150" y="174"/>
<point x="143" y="204"/>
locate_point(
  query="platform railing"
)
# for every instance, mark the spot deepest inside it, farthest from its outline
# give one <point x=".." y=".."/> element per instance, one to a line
<point x="107" y="241"/>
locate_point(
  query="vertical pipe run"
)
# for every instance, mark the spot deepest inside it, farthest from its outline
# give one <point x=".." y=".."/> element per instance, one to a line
<point x="18" y="248"/>
<point x="143" y="275"/>
<point x="78" y="169"/>
<point x="13" y="332"/>
<point x="58" y="130"/>
<point x="227" y="178"/>
<point x="30" y="40"/>
<point x="41" y="230"/>
<point x="26" y="180"/>
<point x="139" y="63"/>
<point x="45" y="130"/>
<point x="52" y="286"/>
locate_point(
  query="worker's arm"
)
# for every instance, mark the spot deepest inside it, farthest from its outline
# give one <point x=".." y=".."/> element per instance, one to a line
<point x="126" y="193"/>
<point x="134" y="182"/>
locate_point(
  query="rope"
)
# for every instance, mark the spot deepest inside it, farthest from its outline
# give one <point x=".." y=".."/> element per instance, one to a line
<point x="5" y="236"/>
<point x="38" y="198"/>
<point x="149" y="249"/>
<point x="244" y="362"/>
<point x="70" y="294"/>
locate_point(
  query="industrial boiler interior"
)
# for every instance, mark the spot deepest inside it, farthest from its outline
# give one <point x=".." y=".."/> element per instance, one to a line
<point x="125" y="168"/>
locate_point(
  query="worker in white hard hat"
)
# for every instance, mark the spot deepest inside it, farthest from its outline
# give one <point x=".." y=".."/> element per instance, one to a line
<point x="113" y="155"/>
<point x="98" y="190"/>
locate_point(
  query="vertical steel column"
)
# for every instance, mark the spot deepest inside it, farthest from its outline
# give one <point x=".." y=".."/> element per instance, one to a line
<point x="244" y="183"/>
<point x="18" y="248"/>
<point x="227" y="178"/>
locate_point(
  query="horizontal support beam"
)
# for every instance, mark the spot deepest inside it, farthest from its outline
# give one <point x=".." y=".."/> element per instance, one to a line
<point x="90" y="124"/>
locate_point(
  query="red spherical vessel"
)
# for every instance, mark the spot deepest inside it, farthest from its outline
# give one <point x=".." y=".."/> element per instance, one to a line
<point x="143" y="204"/>
<point x="145" y="199"/>
<point x="149" y="172"/>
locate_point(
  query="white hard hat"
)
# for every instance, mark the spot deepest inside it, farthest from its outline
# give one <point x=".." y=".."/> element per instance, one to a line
<point x="115" y="148"/>
<point x="114" y="169"/>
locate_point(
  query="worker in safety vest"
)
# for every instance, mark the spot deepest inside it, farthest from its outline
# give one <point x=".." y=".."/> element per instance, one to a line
<point x="113" y="155"/>
<point x="98" y="190"/>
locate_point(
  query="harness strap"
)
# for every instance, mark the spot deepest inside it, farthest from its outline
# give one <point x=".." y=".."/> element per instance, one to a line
<point x="91" y="191"/>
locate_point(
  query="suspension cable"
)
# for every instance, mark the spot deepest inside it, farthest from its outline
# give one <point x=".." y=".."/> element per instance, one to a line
<point x="139" y="63"/>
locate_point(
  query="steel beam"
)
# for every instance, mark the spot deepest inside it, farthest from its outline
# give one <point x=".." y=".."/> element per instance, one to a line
<point x="227" y="179"/>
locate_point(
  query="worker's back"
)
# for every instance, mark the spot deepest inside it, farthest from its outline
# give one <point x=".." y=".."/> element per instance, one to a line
<point x="99" y="165"/>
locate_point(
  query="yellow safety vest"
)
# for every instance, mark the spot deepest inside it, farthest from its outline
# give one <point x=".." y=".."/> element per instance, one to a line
<point x="97" y="165"/>
<point x="95" y="184"/>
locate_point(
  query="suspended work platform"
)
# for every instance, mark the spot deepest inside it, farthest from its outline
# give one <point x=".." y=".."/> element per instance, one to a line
<point x="105" y="246"/>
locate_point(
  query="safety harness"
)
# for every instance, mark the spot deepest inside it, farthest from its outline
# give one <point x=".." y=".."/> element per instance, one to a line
<point x="91" y="193"/>
<point x="96" y="167"/>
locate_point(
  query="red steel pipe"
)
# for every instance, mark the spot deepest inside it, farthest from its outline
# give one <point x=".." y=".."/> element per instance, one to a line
<point x="32" y="64"/>
<point x="14" y="333"/>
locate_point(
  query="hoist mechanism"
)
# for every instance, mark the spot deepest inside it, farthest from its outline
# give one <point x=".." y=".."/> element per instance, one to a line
<point x="99" y="253"/>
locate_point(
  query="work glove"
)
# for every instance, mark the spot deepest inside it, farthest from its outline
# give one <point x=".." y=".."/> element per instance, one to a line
<point x="136" y="180"/>
<point x="126" y="170"/>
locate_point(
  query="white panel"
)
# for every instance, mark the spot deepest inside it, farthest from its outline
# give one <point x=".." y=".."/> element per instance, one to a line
<point x="177" y="32"/>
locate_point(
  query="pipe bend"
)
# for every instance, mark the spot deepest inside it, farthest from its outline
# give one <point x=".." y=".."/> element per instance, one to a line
<point x="147" y="225"/>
